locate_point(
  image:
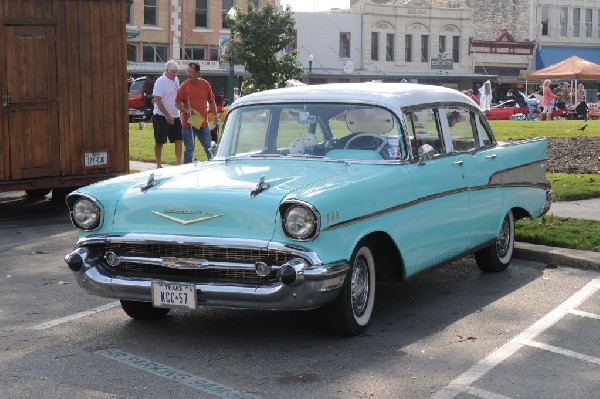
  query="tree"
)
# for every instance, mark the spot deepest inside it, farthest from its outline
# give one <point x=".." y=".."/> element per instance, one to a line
<point x="263" y="35"/>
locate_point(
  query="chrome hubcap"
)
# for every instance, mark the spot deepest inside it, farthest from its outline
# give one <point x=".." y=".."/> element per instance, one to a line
<point x="503" y="241"/>
<point x="360" y="286"/>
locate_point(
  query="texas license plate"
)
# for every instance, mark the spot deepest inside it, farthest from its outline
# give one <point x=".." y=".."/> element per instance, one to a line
<point x="95" y="158"/>
<point x="169" y="295"/>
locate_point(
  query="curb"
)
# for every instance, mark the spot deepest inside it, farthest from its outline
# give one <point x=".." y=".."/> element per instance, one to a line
<point x="567" y="257"/>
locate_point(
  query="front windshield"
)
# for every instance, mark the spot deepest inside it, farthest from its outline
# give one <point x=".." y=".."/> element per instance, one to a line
<point x="342" y="131"/>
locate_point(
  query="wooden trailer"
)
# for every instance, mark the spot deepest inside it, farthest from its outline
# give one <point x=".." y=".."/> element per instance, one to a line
<point x="63" y="94"/>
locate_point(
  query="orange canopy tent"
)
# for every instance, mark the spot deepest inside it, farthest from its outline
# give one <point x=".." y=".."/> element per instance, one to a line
<point x="571" y="68"/>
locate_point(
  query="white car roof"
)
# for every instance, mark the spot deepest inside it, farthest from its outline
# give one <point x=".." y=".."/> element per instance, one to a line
<point x="389" y="94"/>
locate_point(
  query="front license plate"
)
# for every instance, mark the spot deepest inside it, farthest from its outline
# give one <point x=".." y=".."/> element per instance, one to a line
<point x="95" y="158"/>
<point x="168" y="295"/>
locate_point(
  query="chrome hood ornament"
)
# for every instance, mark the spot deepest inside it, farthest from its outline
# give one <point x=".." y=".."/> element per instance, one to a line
<point x="260" y="187"/>
<point x="167" y="214"/>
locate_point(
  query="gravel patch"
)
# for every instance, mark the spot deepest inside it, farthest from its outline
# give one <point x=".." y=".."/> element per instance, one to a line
<point x="574" y="155"/>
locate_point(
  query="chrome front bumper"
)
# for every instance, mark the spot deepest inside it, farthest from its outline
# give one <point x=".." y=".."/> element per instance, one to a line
<point x="314" y="284"/>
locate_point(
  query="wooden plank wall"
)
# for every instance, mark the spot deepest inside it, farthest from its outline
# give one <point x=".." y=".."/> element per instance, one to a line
<point x="92" y="79"/>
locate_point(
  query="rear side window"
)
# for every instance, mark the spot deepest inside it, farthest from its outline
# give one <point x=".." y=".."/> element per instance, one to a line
<point x="461" y="128"/>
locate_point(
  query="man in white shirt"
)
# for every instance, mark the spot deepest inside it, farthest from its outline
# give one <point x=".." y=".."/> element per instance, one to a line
<point x="166" y="115"/>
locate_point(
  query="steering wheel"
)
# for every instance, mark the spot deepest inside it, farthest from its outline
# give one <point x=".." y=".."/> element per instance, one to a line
<point x="375" y="143"/>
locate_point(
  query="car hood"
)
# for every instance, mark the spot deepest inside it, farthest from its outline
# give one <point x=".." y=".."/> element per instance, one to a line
<point x="214" y="199"/>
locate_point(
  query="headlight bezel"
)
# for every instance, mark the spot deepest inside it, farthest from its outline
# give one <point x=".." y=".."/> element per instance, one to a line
<point x="84" y="200"/>
<point x="286" y="211"/>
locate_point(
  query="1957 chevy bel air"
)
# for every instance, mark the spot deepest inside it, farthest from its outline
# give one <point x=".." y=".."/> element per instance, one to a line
<point x="315" y="194"/>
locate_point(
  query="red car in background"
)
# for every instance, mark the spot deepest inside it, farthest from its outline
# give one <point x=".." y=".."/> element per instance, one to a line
<point x="505" y="110"/>
<point x="140" y="98"/>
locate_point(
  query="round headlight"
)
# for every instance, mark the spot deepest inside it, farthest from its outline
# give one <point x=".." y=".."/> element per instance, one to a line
<point x="86" y="214"/>
<point x="300" y="222"/>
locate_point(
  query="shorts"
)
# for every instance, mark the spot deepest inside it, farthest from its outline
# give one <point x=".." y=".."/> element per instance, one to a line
<point x="162" y="130"/>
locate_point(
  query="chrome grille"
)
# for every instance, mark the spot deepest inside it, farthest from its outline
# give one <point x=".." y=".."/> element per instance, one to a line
<point x="193" y="251"/>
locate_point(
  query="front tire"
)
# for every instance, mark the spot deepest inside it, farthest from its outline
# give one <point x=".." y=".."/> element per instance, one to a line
<point x="350" y="313"/>
<point x="143" y="310"/>
<point x="497" y="257"/>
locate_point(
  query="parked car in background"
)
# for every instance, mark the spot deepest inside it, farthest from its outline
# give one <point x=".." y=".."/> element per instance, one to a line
<point x="505" y="110"/>
<point x="316" y="193"/>
<point x="140" y="99"/>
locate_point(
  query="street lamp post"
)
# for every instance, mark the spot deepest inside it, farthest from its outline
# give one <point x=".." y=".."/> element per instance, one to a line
<point x="311" y="58"/>
<point x="231" y="14"/>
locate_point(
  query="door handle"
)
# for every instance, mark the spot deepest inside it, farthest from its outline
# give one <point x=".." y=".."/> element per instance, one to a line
<point x="493" y="156"/>
<point x="5" y="101"/>
<point x="458" y="163"/>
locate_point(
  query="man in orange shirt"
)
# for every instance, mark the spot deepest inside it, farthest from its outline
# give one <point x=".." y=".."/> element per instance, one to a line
<point x="192" y="97"/>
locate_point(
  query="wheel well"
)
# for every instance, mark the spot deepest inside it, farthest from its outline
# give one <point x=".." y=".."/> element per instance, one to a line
<point x="520" y="213"/>
<point x="389" y="265"/>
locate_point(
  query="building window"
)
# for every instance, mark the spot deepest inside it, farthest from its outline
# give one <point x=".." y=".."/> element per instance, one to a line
<point x="456" y="48"/>
<point x="150" y="12"/>
<point x="214" y="53"/>
<point x="201" y="20"/>
<point x="564" y="21"/>
<point x="576" y="21"/>
<point x="408" y="48"/>
<point x="128" y="13"/>
<point x="424" y="48"/>
<point x="375" y="46"/>
<point x="225" y="7"/>
<point x="344" y="51"/>
<point x="389" y="47"/>
<point x="545" y="20"/>
<point x="442" y="45"/>
<point x="132" y="55"/>
<point x="588" y="22"/>
<point x="193" y="53"/>
<point x="155" y="53"/>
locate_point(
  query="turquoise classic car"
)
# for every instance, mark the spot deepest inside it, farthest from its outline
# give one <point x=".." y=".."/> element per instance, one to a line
<point x="316" y="193"/>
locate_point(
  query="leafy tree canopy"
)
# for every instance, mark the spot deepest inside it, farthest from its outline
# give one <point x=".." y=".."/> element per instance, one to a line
<point x="262" y="37"/>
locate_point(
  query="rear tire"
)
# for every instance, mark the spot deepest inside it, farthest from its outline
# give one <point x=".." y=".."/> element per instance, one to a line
<point x="497" y="257"/>
<point x="143" y="310"/>
<point x="350" y="313"/>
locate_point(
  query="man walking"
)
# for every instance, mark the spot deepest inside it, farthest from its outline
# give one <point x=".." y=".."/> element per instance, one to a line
<point x="192" y="98"/>
<point x="165" y="117"/>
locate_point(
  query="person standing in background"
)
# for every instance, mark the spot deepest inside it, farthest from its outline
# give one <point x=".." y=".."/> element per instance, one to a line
<point x="192" y="97"/>
<point x="579" y="94"/>
<point x="547" y="97"/>
<point x="165" y="117"/>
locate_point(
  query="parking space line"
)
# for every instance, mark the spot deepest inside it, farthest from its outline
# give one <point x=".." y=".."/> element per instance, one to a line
<point x="478" y="370"/>
<point x="585" y="314"/>
<point x="482" y="393"/>
<point x="562" y="351"/>
<point x="75" y="316"/>
<point x="181" y="377"/>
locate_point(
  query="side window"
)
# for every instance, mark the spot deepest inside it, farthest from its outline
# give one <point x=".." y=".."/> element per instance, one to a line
<point x="485" y="132"/>
<point x="424" y="132"/>
<point x="460" y="126"/>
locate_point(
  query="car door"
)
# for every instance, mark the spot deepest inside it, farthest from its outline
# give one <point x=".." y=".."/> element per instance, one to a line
<point x="441" y="187"/>
<point x="471" y="142"/>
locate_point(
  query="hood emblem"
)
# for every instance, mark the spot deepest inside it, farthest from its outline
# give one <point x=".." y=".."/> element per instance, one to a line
<point x="186" y="221"/>
<point x="260" y="187"/>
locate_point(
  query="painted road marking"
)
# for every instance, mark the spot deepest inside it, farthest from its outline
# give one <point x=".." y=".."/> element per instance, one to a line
<point x="181" y="377"/>
<point x="585" y="314"/>
<point x="75" y="316"/>
<point x="478" y="370"/>
<point x="562" y="351"/>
